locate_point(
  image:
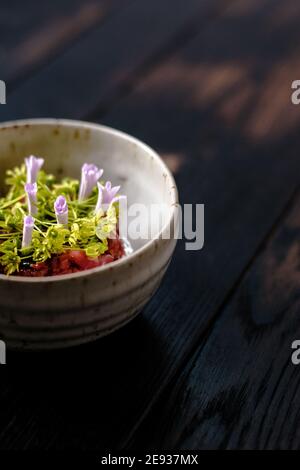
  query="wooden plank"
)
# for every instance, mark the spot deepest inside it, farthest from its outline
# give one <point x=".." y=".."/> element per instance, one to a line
<point x="240" y="389"/>
<point x="233" y="162"/>
<point x="90" y="72"/>
<point x="32" y="33"/>
<point x="204" y="117"/>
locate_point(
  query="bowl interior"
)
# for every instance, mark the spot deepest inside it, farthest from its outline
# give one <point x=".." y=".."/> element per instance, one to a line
<point x="66" y="145"/>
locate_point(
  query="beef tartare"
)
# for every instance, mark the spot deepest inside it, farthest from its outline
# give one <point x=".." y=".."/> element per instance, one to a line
<point x="50" y="227"/>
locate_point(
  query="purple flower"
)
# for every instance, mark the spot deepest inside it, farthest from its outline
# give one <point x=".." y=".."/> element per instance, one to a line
<point x="31" y="193"/>
<point x="61" y="210"/>
<point x="106" y="195"/>
<point x="27" y="231"/>
<point x="33" y="166"/>
<point x="89" y="176"/>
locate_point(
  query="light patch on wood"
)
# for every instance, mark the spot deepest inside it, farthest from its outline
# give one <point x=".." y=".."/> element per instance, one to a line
<point x="63" y="29"/>
<point x="174" y="161"/>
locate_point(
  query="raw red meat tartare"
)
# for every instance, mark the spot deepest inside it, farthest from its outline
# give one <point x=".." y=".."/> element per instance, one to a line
<point x="72" y="261"/>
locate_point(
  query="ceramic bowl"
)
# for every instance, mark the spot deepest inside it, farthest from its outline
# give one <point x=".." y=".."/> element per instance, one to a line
<point x="61" y="311"/>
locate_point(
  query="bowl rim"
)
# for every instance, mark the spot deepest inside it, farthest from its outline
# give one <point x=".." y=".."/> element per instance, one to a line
<point x="122" y="261"/>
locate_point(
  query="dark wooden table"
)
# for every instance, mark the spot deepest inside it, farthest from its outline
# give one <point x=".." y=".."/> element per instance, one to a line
<point x="208" y="84"/>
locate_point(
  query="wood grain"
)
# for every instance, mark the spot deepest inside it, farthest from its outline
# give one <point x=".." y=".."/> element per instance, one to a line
<point x="240" y="389"/>
<point x="33" y="33"/>
<point x="92" y="71"/>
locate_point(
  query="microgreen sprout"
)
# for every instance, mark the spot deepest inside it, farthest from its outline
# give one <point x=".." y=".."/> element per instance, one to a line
<point x="33" y="166"/>
<point x="106" y="195"/>
<point x="31" y="194"/>
<point x="61" y="210"/>
<point x="90" y="174"/>
<point x="27" y="231"/>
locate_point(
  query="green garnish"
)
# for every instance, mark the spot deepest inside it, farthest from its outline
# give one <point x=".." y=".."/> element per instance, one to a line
<point x="85" y="228"/>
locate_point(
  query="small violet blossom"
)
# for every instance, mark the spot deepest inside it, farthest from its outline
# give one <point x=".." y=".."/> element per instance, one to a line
<point x="31" y="193"/>
<point x="106" y="195"/>
<point x="61" y="210"/>
<point x="90" y="174"/>
<point x="27" y="231"/>
<point x="33" y="166"/>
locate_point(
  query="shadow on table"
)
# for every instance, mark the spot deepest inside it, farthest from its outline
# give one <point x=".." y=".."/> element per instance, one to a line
<point x="90" y="385"/>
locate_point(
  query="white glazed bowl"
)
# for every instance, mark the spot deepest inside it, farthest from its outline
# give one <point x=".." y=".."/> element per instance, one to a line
<point x="61" y="311"/>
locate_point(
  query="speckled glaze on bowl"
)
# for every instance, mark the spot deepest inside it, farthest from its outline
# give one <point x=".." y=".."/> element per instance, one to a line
<point x="62" y="311"/>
